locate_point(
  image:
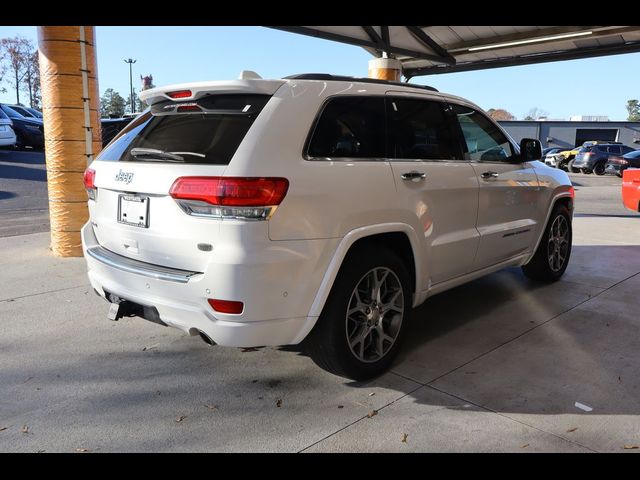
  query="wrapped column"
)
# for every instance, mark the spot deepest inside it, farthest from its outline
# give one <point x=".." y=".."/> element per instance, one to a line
<point x="70" y="107"/>
<point x="385" y="69"/>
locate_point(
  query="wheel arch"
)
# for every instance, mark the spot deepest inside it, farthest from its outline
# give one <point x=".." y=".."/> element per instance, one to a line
<point x="401" y="238"/>
<point x="564" y="197"/>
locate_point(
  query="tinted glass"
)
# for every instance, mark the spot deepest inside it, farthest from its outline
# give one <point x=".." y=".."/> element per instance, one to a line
<point x="484" y="142"/>
<point x="350" y="127"/>
<point x="419" y="130"/>
<point x="614" y="149"/>
<point x="194" y="137"/>
<point x="23" y="111"/>
<point x="626" y="149"/>
<point x="11" y="112"/>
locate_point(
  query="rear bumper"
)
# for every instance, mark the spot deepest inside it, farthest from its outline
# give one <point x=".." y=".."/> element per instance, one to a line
<point x="183" y="304"/>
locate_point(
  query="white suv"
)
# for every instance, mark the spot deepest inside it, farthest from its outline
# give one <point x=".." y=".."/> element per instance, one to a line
<point x="319" y="208"/>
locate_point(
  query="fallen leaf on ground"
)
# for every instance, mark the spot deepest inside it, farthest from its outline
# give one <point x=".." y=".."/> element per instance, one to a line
<point x="525" y="445"/>
<point x="372" y="413"/>
<point x="372" y="394"/>
<point x="82" y="450"/>
<point x="573" y="429"/>
<point x="249" y="349"/>
<point x="3" y="428"/>
<point x="340" y="406"/>
<point x="619" y="379"/>
<point x="27" y="380"/>
<point x="404" y="437"/>
<point x="180" y="418"/>
<point x="25" y="429"/>
<point x="211" y="407"/>
<point x="631" y="447"/>
<point x="279" y="402"/>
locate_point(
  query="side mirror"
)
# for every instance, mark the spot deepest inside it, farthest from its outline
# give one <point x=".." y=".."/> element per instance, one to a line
<point x="530" y="149"/>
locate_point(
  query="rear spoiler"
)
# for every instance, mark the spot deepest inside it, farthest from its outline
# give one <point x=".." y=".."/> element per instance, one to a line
<point x="195" y="90"/>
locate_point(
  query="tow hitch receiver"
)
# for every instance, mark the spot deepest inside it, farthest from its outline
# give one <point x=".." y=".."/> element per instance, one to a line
<point x="121" y="307"/>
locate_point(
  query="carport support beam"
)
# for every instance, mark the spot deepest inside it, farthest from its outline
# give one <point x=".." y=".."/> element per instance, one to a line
<point x="385" y="69"/>
<point x="70" y="107"/>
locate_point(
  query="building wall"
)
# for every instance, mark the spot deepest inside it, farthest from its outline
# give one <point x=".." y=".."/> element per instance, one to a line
<point x="563" y="133"/>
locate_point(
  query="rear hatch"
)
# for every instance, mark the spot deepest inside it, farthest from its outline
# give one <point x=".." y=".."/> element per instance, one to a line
<point x="133" y="213"/>
<point x="580" y="157"/>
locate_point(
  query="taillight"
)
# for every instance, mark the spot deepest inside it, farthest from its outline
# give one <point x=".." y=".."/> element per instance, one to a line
<point x="179" y="94"/>
<point x="572" y="192"/>
<point x="253" y="198"/>
<point x="89" y="179"/>
<point x="226" y="306"/>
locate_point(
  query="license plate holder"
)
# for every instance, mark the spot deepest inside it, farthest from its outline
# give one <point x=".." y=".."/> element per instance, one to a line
<point x="133" y="210"/>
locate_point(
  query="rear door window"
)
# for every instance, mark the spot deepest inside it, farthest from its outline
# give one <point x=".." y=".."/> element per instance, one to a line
<point x="207" y="131"/>
<point x="419" y="130"/>
<point x="350" y="127"/>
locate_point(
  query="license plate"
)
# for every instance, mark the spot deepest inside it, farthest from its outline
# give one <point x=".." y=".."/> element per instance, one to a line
<point x="133" y="210"/>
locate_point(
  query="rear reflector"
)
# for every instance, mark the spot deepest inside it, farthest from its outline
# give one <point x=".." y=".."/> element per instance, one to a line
<point x="226" y="306"/>
<point x="179" y="94"/>
<point x="231" y="191"/>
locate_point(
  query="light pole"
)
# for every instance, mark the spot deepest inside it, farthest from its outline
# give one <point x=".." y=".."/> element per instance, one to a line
<point x="131" y="61"/>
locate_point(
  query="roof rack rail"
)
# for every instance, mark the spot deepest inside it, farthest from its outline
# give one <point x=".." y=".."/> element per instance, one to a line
<point x="344" y="78"/>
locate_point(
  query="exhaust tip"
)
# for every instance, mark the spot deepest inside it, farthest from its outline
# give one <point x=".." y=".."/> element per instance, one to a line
<point x="205" y="338"/>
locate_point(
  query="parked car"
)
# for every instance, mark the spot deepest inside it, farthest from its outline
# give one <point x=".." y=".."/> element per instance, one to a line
<point x="111" y="127"/>
<point x="314" y="208"/>
<point x="29" y="131"/>
<point x="548" y="153"/>
<point x="617" y="165"/>
<point x="7" y="135"/>
<point x="34" y="112"/>
<point x="594" y="158"/>
<point x="631" y="189"/>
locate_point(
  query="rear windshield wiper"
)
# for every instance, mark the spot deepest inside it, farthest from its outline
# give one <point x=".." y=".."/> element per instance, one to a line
<point x="157" y="154"/>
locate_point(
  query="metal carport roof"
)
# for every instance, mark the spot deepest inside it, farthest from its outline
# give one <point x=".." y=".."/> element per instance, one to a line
<point x="428" y="50"/>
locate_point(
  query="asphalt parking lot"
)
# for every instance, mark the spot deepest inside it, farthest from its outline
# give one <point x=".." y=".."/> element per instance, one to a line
<point x="502" y="364"/>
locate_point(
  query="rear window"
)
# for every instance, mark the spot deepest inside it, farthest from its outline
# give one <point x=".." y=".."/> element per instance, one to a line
<point x="209" y="134"/>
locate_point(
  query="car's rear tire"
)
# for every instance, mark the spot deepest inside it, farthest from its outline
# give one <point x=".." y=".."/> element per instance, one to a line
<point x="599" y="168"/>
<point x="552" y="256"/>
<point x="359" y="333"/>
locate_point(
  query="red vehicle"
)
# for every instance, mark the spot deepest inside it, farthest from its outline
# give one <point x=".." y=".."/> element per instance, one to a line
<point x="631" y="189"/>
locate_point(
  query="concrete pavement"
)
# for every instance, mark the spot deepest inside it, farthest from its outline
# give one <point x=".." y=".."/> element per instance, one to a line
<point x="495" y="365"/>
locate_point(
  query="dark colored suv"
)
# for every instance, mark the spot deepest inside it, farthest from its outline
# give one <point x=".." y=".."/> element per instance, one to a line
<point x="594" y="158"/>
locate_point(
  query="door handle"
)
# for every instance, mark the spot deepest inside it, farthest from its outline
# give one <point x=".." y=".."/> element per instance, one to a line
<point x="488" y="175"/>
<point x="413" y="176"/>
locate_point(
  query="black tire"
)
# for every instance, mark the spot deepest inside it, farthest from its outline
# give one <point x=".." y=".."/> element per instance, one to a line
<point x="540" y="267"/>
<point x="571" y="168"/>
<point x="328" y="344"/>
<point x="599" y="168"/>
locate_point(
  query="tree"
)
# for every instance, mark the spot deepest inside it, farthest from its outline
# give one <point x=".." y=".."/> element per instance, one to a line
<point x="111" y="104"/>
<point x="32" y="80"/>
<point x="535" y="114"/>
<point x="633" y="107"/>
<point x="500" y="114"/>
<point x="17" y="54"/>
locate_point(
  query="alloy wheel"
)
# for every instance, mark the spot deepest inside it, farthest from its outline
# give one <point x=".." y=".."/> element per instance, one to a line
<point x="374" y="314"/>
<point x="558" y="244"/>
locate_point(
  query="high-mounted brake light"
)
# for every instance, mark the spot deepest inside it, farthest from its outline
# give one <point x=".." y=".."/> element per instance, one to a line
<point x="192" y="107"/>
<point x="226" y="306"/>
<point x="89" y="179"/>
<point x="179" y="94"/>
<point x="233" y="197"/>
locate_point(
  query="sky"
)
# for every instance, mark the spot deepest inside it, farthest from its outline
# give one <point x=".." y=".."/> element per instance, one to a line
<point x="595" y="86"/>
